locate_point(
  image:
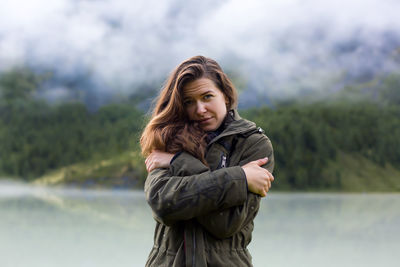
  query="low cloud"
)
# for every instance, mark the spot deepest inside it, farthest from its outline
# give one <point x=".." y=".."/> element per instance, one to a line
<point x="279" y="48"/>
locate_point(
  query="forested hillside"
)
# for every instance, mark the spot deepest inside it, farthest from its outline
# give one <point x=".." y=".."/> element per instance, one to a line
<point x="346" y="144"/>
<point x="313" y="143"/>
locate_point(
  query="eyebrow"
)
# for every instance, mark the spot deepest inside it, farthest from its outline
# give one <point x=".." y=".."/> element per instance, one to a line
<point x="205" y="93"/>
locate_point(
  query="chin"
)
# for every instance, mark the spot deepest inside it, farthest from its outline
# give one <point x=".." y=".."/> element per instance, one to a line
<point x="210" y="128"/>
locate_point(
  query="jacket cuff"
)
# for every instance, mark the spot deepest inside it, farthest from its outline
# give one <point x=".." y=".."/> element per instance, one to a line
<point x="174" y="157"/>
<point x="247" y="184"/>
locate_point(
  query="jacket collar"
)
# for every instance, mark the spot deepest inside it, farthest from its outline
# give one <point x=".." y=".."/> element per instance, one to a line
<point x="234" y="124"/>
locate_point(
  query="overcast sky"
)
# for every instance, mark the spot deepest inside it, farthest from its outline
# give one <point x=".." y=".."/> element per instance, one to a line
<point x="276" y="46"/>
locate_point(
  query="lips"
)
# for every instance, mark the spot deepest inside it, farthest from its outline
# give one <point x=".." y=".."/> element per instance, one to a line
<point x="205" y="120"/>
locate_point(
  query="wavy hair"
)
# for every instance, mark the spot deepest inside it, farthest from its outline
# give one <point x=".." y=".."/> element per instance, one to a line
<point x="169" y="128"/>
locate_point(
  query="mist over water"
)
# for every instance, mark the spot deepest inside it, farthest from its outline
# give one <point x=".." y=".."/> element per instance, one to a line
<point x="277" y="49"/>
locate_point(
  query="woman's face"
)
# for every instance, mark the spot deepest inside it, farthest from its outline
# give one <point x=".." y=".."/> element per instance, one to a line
<point x="205" y="103"/>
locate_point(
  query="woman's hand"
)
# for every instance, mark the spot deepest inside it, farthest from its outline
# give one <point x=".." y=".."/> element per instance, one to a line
<point x="258" y="179"/>
<point x="158" y="159"/>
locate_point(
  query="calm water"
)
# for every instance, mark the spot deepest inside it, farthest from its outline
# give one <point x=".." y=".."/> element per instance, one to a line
<point x="42" y="227"/>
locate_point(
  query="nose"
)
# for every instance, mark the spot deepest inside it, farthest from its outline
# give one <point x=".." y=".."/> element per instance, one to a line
<point x="200" y="107"/>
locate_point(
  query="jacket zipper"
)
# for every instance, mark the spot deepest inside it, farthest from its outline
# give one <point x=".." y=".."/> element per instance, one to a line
<point x="223" y="161"/>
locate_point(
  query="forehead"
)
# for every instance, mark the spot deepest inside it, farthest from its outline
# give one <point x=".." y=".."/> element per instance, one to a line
<point x="199" y="87"/>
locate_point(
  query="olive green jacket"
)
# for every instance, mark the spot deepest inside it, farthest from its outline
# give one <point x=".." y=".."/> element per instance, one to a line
<point x="204" y="215"/>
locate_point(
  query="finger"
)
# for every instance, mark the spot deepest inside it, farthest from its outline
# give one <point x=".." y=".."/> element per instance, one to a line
<point x="264" y="182"/>
<point x="272" y="178"/>
<point x="263" y="193"/>
<point x="266" y="172"/>
<point x="261" y="162"/>
<point x="151" y="167"/>
<point x="149" y="157"/>
<point x="268" y="175"/>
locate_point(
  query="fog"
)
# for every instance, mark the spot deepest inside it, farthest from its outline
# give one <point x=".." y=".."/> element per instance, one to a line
<point x="276" y="49"/>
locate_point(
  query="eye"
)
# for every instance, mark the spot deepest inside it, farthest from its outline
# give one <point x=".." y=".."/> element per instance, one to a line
<point x="207" y="96"/>
<point x="187" y="102"/>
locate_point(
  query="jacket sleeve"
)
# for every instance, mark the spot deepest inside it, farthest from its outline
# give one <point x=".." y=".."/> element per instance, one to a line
<point x="176" y="194"/>
<point x="225" y="223"/>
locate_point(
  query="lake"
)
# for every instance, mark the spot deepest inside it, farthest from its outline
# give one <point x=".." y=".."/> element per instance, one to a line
<point x="48" y="227"/>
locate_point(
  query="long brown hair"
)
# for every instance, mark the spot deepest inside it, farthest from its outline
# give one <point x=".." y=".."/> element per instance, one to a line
<point x="169" y="128"/>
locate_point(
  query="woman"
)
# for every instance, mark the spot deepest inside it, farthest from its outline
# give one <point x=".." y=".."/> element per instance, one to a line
<point x="208" y="169"/>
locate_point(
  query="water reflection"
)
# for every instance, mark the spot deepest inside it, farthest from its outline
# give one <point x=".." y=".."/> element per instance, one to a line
<point x="70" y="227"/>
<point x="328" y="230"/>
<point x="124" y="208"/>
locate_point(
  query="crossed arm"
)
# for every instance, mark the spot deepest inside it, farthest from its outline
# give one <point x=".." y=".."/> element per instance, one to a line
<point x="258" y="178"/>
<point x="227" y="222"/>
<point x="219" y="199"/>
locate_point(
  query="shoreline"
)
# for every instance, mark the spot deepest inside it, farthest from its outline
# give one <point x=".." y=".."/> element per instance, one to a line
<point x="19" y="183"/>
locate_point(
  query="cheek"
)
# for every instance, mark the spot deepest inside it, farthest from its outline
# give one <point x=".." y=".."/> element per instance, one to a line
<point x="223" y="111"/>
<point x="223" y="108"/>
